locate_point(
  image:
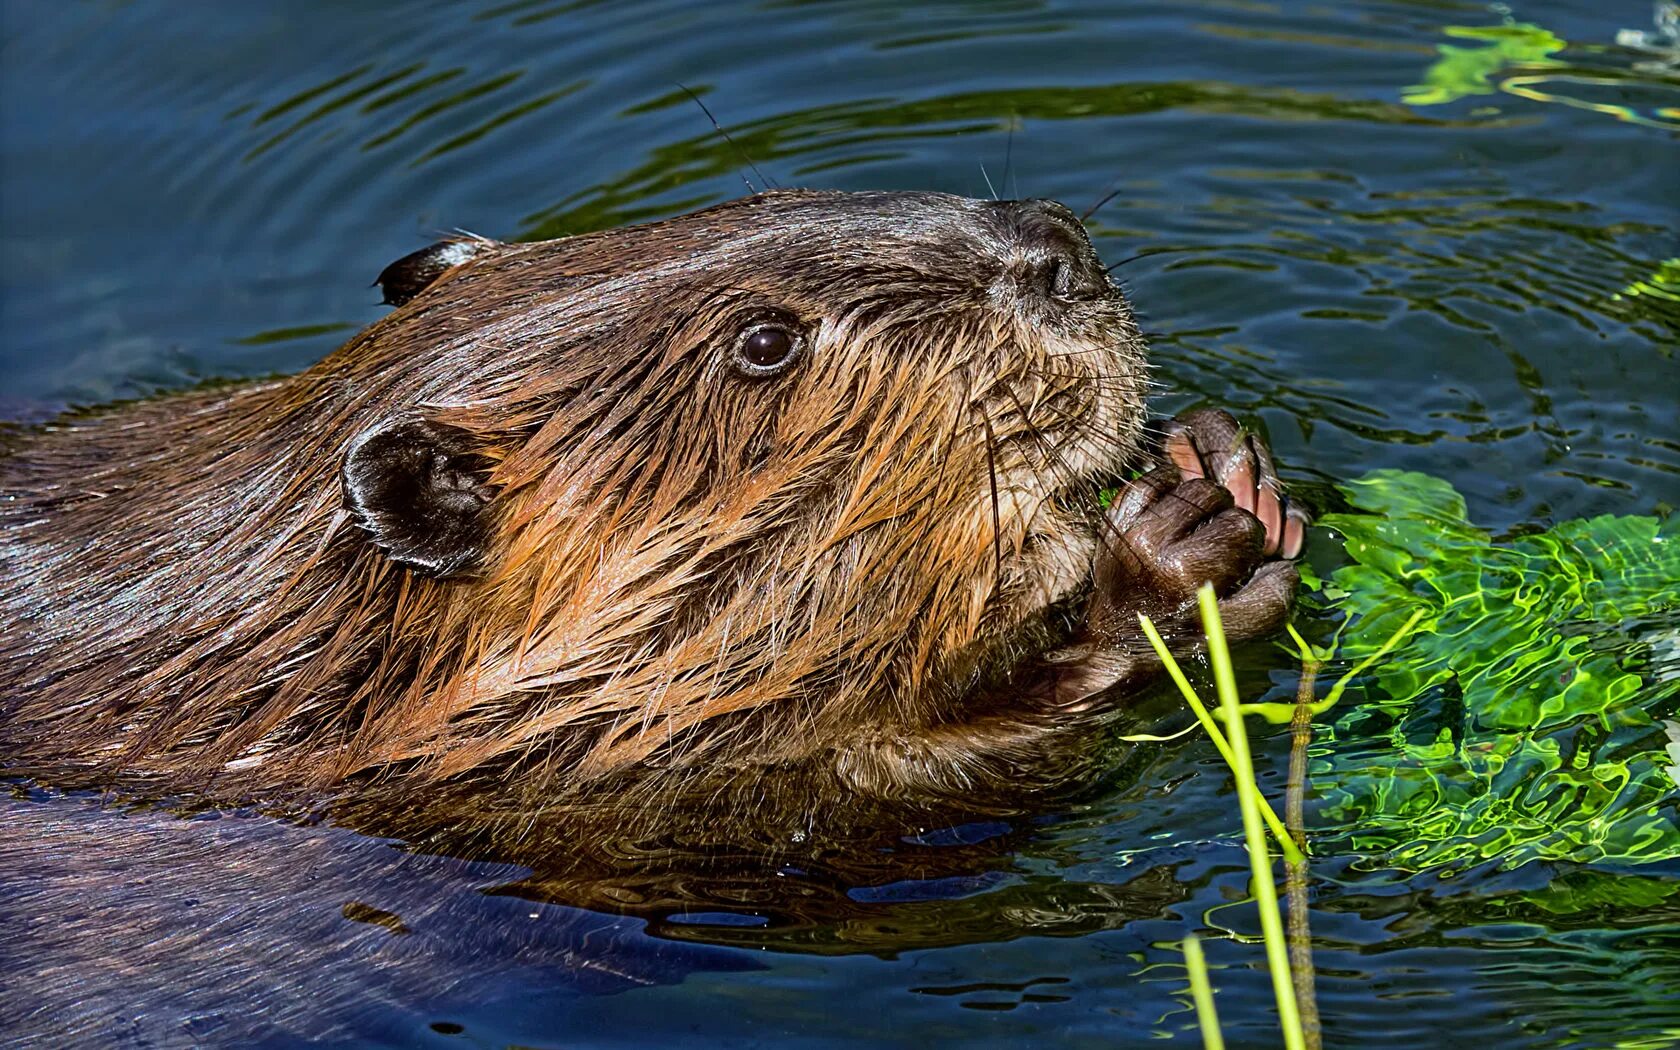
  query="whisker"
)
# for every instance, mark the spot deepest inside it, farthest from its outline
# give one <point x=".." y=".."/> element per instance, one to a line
<point x="732" y="143"/>
<point x="1112" y="191"/>
<point x="1055" y="468"/>
<point x="1053" y="459"/>
<point x="1085" y="430"/>
<point x="1127" y="380"/>
<point x="1168" y="250"/>
<point x="997" y="514"/>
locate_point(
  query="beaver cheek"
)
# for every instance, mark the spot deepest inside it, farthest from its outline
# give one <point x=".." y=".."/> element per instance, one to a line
<point x="420" y="490"/>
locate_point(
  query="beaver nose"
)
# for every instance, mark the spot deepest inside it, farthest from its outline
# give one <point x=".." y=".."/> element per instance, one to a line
<point x="1058" y="261"/>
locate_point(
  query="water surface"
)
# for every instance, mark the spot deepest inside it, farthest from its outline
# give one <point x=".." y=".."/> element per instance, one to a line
<point x="1386" y="273"/>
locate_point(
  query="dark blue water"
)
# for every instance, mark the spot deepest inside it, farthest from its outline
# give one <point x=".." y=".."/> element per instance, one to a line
<point x="196" y="190"/>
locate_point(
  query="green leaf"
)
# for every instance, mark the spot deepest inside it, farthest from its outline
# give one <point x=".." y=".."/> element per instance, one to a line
<point x="1520" y="718"/>
<point x="1462" y="71"/>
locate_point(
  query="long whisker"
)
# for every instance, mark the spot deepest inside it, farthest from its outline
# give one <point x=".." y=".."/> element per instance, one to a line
<point x="997" y="513"/>
<point x="1124" y="384"/>
<point x="1008" y="155"/>
<point x="1054" y="466"/>
<point x="1089" y="431"/>
<point x="1084" y="430"/>
<point x="1053" y="459"/>
<point x="1154" y="251"/>
<point x="1131" y="383"/>
<point x="732" y="143"/>
<point x="1111" y="191"/>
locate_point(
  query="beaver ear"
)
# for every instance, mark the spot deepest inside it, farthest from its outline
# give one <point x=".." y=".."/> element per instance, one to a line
<point x="421" y="489"/>
<point x="410" y="275"/>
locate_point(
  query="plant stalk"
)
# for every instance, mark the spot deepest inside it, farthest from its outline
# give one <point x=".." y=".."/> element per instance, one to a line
<point x="1201" y="993"/>
<point x="1295" y="868"/>
<point x="1286" y="845"/>
<point x="1248" y="798"/>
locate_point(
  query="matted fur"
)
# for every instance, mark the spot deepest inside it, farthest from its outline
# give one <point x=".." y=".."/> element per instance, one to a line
<point x="689" y="567"/>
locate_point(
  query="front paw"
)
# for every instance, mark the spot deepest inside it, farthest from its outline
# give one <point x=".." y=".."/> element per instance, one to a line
<point x="1166" y="536"/>
<point x="1210" y="443"/>
<point x="1213" y="513"/>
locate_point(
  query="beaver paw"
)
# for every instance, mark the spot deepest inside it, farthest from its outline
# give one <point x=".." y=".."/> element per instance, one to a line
<point x="1210" y="443"/>
<point x="1166" y="537"/>
<point x="1214" y="512"/>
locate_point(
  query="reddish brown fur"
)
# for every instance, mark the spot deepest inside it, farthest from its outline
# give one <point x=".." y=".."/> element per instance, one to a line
<point x="689" y="570"/>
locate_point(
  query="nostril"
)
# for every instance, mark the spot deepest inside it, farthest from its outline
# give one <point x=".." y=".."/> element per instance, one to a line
<point x="1059" y="278"/>
<point x="1056" y="257"/>
<point x="1065" y="276"/>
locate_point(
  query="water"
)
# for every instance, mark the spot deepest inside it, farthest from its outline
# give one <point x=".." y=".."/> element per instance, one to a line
<point x="207" y="192"/>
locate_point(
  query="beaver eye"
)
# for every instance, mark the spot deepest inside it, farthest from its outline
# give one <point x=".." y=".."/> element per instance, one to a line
<point x="767" y="348"/>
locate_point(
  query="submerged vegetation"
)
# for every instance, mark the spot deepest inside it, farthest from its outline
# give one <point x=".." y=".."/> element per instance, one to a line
<point x="1515" y="693"/>
<point x="1462" y="71"/>
<point x="1523" y="719"/>
<point x="1664" y="283"/>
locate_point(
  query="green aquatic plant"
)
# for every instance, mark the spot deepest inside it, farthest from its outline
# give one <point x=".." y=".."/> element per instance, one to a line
<point x="1514" y="693"/>
<point x="1664" y="283"/>
<point x="1523" y="718"/>
<point x="1201" y="993"/>
<point x="1462" y="71"/>
<point x="1233" y="747"/>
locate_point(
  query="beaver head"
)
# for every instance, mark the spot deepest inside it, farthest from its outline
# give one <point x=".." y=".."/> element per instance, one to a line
<point x="719" y="489"/>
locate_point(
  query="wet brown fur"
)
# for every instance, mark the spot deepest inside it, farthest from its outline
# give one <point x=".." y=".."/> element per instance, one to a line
<point x="690" y="571"/>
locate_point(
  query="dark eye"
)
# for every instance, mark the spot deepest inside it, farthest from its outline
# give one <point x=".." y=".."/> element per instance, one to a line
<point x="767" y="348"/>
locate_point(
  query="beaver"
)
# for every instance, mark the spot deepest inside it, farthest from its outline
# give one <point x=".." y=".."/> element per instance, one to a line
<point x="784" y="504"/>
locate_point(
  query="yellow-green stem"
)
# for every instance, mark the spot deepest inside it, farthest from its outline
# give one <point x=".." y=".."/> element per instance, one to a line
<point x="1201" y="993"/>
<point x="1280" y="714"/>
<point x="1248" y="799"/>
<point x="1285" y="844"/>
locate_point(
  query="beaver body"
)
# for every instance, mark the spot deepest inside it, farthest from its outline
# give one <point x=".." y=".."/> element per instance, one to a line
<point x="800" y="487"/>
<point x="672" y="562"/>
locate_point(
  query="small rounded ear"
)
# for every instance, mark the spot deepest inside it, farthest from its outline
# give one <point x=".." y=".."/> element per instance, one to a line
<point x="421" y="490"/>
<point x="410" y="275"/>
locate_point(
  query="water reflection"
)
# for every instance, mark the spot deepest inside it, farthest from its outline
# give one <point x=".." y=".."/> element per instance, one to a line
<point x="775" y="141"/>
<point x="114" y="917"/>
<point x="1447" y="285"/>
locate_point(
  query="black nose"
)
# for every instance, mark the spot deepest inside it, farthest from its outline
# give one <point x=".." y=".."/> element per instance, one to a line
<point x="1059" y="262"/>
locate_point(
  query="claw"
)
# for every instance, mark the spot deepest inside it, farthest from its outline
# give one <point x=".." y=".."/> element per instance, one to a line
<point x="1210" y="443"/>
<point x="1295" y="522"/>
